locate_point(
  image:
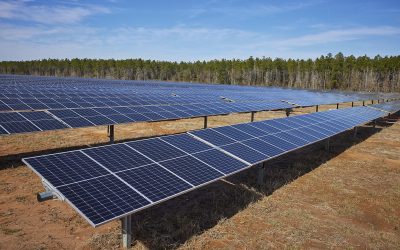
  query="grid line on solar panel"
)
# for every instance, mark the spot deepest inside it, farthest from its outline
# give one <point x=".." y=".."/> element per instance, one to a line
<point x="117" y="157"/>
<point x="58" y="171"/>
<point x="156" y="149"/>
<point x="197" y="174"/>
<point x="221" y="161"/>
<point x="154" y="181"/>
<point x="186" y="143"/>
<point x="103" y="199"/>
<point x="192" y="140"/>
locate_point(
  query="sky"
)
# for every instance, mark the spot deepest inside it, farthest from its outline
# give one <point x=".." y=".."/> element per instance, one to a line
<point x="191" y="30"/>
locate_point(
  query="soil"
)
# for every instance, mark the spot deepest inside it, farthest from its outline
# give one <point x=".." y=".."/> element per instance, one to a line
<point x="347" y="197"/>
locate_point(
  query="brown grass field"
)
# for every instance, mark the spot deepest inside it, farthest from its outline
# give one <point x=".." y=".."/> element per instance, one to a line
<point x="347" y="197"/>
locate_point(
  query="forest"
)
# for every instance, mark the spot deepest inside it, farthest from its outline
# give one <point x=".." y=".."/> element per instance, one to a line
<point x="329" y="71"/>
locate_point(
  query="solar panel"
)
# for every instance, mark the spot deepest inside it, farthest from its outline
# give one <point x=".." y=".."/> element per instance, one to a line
<point x="213" y="137"/>
<point x="263" y="147"/>
<point x="233" y="133"/>
<point x="220" y="161"/>
<point x="244" y="152"/>
<point x="117" y="157"/>
<point x="66" y="168"/>
<point x="103" y="199"/>
<point x="186" y="143"/>
<point x="49" y="124"/>
<point x="19" y="127"/>
<point x="154" y="181"/>
<point x="99" y="181"/>
<point x="156" y="149"/>
<point x="192" y="170"/>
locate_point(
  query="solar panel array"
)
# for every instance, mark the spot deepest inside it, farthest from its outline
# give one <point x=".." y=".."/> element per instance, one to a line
<point x="22" y="122"/>
<point x="37" y="93"/>
<point x="76" y="102"/>
<point x="109" y="182"/>
<point x="390" y="107"/>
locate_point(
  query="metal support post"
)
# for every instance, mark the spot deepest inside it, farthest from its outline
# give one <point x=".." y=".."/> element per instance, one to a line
<point x="316" y="108"/>
<point x="337" y="105"/>
<point x="327" y="145"/>
<point x="372" y="101"/>
<point x="261" y="174"/>
<point x="205" y="121"/>
<point x="111" y="133"/>
<point x="374" y="123"/>
<point x="355" y="132"/>
<point x="352" y="104"/>
<point x="288" y="112"/>
<point x="252" y="116"/>
<point x="126" y="226"/>
<point x="378" y="100"/>
<point x="363" y="103"/>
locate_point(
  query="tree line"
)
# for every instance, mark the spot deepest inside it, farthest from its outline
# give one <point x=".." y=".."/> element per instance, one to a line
<point x="361" y="73"/>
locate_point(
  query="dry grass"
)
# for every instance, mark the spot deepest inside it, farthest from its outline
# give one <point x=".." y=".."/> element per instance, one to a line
<point x="346" y="198"/>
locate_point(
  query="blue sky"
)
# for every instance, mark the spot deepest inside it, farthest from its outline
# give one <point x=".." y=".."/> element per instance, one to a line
<point x="197" y="30"/>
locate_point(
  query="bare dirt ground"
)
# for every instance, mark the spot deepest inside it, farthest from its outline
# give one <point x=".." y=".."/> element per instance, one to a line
<point x="348" y="197"/>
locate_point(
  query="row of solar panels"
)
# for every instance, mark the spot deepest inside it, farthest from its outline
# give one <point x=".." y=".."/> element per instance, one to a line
<point x="32" y="93"/>
<point x="23" y="122"/>
<point x="109" y="182"/>
<point x="390" y="107"/>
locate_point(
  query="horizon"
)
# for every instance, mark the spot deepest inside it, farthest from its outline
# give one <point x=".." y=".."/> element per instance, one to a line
<point x="189" y="31"/>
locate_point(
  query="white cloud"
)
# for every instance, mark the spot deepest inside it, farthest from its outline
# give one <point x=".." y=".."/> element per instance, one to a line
<point x="60" y="14"/>
<point x="339" y="35"/>
<point x="249" y="9"/>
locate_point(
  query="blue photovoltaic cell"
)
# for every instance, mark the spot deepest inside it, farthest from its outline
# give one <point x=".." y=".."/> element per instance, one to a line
<point x="64" y="113"/>
<point x="233" y="133"/>
<point x="221" y="161"/>
<point x="77" y="122"/>
<point x="11" y="117"/>
<point x="156" y="149"/>
<point x="278" y="142"/>
<point x="245" y="153"/>
<point x="192" y="170"/>
<point x="117" y="157"/>
<point x="36" y="115"/>
<point x="106" y="111"/>
<point x="249" y="129"/>
<point x="154" y="116"/>
<point x="2" y="130"/>
<point x="300" y="134"/>
<point x="299" y="120"/>
<point x="49" y="124"/>
<point x="186" y="143"/>
<point x="314" y="133"/>
<point x="65" y="168"/>
<point x="213" y="137"/>
<point x="85" y="112"/>
<point x="263" y="147"/>
<point x="292" y="139"/>
<point x="288" y="122"/>
<point x="38" y="106"/>
<point x="265" y="127"/>
<point x="104" y="198"/>
<point x="99" y="120"/>
<point x="322" y="130"/>
<point x="119" y="118"/>
<point x="19" y="127"/>
<point x="138" y="117"/>
<point x="278" y="125"/>
<point x="154" y="182"/>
